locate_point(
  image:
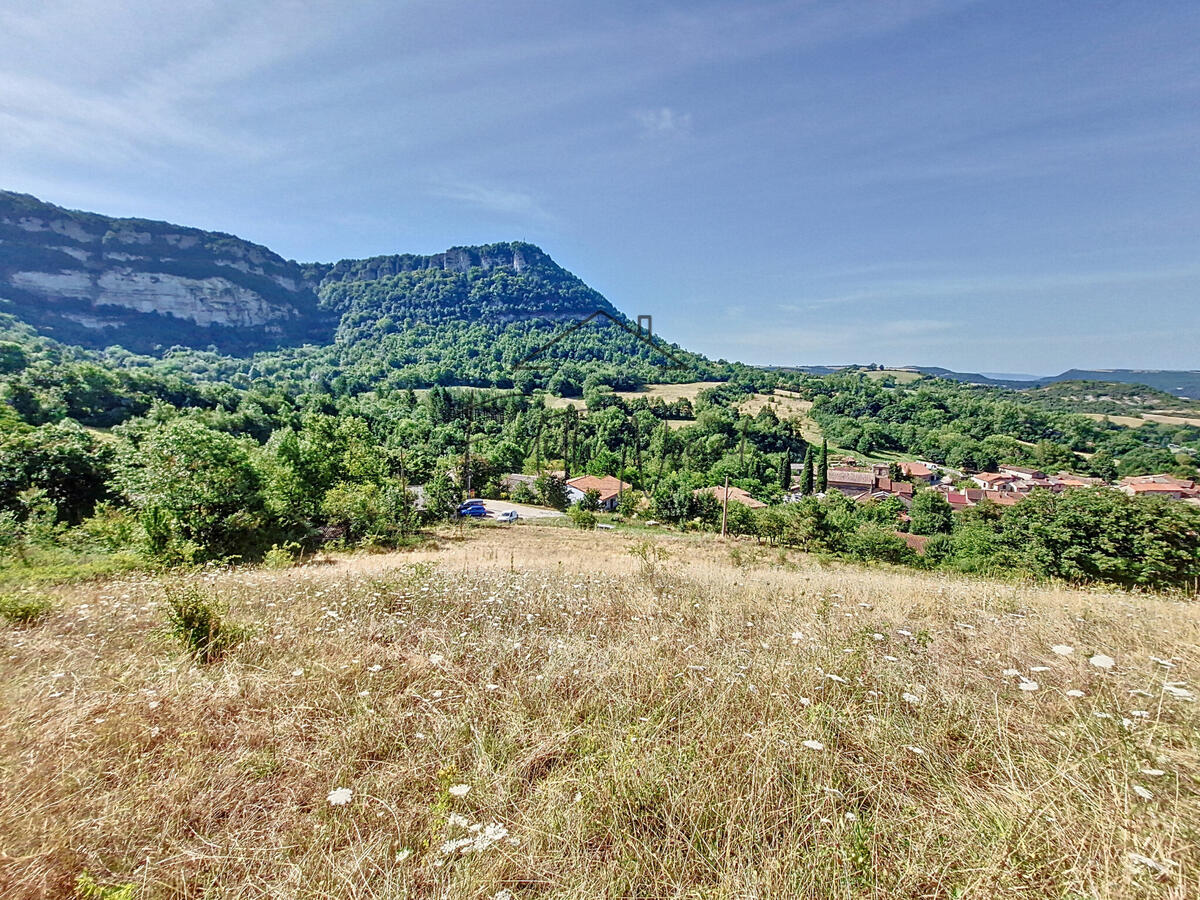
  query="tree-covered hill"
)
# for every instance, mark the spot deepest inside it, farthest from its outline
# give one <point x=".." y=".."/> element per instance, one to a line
<point x="467" y="316"/>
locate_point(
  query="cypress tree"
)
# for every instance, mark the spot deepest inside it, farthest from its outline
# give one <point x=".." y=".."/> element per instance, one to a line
<point x="785" y="471"/>
<point x="806" y="478"/>
<point x="823" y="468"/>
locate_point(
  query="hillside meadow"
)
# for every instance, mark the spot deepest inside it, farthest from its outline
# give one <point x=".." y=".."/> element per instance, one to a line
<point x="540" y="712"/>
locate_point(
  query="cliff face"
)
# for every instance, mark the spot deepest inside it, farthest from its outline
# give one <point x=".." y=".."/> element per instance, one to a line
<point x="96" y="281"/>
<point x="93" y="280"/>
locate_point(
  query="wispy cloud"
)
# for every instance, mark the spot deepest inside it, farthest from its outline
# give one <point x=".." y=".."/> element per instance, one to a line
<point x="663" y="121"/>
<point x="492" y="198"/>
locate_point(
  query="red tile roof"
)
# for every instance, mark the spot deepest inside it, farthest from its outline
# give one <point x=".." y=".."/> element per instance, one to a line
<point x="851" y="476"/>
<point x="608" y="487"/>
<point x="915" y="541"/>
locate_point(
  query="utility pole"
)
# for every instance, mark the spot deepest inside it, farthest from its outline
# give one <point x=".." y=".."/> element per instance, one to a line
<point x="637" y="449"/>
<point x="725" y="508"/>
<point x="466" y="479"/>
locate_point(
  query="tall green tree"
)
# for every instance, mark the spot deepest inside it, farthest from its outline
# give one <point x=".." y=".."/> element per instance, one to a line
<point x="205" y="481"/>
<point x="931" y="513"/>
<point x="806" y="477"/>
<point x="822" y="476"/>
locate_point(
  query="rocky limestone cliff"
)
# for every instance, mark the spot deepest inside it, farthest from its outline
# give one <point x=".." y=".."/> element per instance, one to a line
<point x="95" y="280"/>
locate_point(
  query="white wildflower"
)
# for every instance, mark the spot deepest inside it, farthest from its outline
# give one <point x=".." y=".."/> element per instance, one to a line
<point x="1010" y="673"/>
<point x="503" y="894"/>
<point x="911" y="698"/>
<point x="838" y="678"/>
<point x="1075" y="692"/>
<point x="454" y="820"/>
<point x="339" y="796"/>
<point x="1176" y="689"/>
<point x="1039" y="668"/>
<point x="459" y="790"/>
<point x="296" y="673"/>
<point x="812" y="745"/>
<point x="1027" y="685"/>
<point x="436" y="659"/>
<point x="916" y="750"/>
<point x="1153" y="773"/>
<point x="449" y="847"/>
<point x="404" y="854"/>
<point x="1062" y="649"/>
<point x="1100" y="661"/>
<point x="1142" y="792"/>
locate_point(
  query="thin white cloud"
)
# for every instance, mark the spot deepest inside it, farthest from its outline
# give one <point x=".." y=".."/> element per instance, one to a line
<point x="663" y="121"/>
<point x="493" y="199"/>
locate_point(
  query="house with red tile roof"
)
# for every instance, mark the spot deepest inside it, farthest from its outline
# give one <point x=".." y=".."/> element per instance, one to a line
<point x="918" y="471"/>
<point x="851" y="482"/>
<point x="1155" y="489"/>
<point x="1023" y="472"/>
<point x="994" y="481"/>
<point x="608" y="487"/>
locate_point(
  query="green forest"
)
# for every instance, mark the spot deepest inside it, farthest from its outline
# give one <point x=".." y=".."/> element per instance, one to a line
<point x="404" y="382"/>
<point x="111" y="460"/>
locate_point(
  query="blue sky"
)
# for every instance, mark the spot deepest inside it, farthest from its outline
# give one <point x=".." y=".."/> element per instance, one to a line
<point x="986" y="186"/>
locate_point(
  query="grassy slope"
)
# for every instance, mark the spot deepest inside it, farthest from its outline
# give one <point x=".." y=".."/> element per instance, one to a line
<point x="638" y="730"/>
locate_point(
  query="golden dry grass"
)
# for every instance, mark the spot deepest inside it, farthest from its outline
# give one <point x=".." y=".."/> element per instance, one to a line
<point x="902" y="376"/>
<point x="1172" y="420"/>
<point x="627" y="727"/>
<point x="1126" y="421"/>
<point x="786" y="405"/>
<point x="671" y="392"/>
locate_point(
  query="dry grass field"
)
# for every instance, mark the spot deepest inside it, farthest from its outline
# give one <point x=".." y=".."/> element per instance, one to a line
<point x="902" y="376"/>
<point x="1126" y="421"/>
<point x="671" y="392"/>
<point x="1172" y="419"/>
<point x="538" y="712"/>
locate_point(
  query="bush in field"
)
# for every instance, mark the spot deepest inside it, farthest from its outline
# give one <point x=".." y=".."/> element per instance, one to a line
<point x="281" y="557"/>
<point x="197" y="622"/>
<point x="23" y="609"/>
<point x="206" y="485"/>
<point x="880" y="544"/>
<point x="580" y="517"/>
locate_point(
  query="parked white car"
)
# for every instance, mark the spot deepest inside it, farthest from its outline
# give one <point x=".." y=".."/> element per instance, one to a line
<point x="509" y="515"/>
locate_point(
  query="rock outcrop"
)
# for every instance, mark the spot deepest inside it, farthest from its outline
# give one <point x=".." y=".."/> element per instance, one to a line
<point x="93" y="280"/>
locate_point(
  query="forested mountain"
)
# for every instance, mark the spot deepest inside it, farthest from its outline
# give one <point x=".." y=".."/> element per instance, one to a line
<point x="471" y="315"/>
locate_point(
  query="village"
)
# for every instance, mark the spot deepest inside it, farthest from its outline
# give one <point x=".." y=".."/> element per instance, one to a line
<point x="880" y="481"/>
<point x="1005" y="487"/>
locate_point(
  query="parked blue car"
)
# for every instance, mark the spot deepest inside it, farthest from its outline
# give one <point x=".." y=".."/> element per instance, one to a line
<point x="473" y="508"/>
